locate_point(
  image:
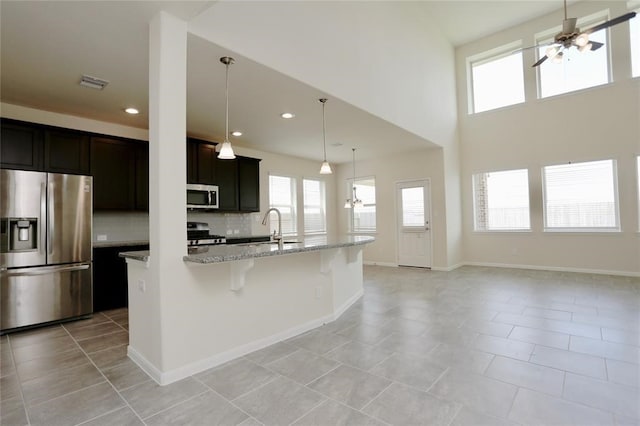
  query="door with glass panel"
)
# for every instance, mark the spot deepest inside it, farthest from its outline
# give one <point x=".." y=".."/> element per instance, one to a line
<point x="414" y="223"/>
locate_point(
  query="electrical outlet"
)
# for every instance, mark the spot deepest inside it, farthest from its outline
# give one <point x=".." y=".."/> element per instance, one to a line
<point x="142" y="286"/>
<point x="102" y="237"/>
<point x="318" y="292"/>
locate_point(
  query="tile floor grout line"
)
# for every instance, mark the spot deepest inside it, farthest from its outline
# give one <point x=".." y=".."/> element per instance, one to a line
<point x="312" y="408"/>
<point x="15" y="368"/>
<point x="106" y="378"/>
<point x="391" y="383"/>
<point x="167" y="408"/>
<point x="229" y="400"/>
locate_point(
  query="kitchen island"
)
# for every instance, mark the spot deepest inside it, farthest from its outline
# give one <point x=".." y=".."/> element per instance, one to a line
<point x="235" y="299"/>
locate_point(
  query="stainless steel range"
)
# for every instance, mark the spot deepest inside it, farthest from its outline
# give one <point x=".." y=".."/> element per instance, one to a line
<point x="45" y="247"/>
<point x="198" y="235"/>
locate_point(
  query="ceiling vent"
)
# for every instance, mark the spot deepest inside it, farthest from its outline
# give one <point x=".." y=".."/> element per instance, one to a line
<point x="93" y="82"/>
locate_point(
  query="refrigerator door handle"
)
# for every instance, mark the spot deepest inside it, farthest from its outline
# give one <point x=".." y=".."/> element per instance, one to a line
<point x="29" y="272"/>
<point x="50" y="219"/>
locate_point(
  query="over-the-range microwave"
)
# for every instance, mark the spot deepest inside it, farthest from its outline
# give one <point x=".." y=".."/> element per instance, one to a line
<point x="202" y="196"/>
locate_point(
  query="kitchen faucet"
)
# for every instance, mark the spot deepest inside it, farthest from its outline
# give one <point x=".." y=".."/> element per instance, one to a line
<point x="278" y="236"/>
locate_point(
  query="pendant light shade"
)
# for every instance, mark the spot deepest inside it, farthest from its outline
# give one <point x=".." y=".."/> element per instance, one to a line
<point x="325" y="169"/>
<point x="353" y="202"/>
<point x="226" y="151"/>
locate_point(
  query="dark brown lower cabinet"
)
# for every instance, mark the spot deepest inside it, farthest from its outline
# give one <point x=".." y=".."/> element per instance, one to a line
<point x="110" y="289"/>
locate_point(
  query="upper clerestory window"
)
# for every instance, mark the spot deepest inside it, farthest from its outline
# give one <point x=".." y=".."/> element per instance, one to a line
<point x="497" y="79"/>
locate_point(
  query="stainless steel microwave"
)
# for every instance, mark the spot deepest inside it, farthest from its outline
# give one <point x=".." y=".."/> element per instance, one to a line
<point x="202" y="196"/>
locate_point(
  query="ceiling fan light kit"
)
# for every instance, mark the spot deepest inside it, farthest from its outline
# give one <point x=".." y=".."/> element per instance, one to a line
<point x="571" y="36"/>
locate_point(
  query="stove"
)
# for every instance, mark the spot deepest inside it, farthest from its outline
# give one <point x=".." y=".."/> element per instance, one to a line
<point x="198" y="235"/>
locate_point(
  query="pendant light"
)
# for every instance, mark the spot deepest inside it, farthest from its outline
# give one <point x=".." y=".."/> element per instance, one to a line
<point x="354" y="202"/>
<point x="226" y="151"/>
<point x="325" y="169"/>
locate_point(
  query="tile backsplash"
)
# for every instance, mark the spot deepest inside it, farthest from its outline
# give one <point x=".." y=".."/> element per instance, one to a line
<point x="134" y="226"/>
<point x="227" y="224"/>
<point x="120" y="226"/>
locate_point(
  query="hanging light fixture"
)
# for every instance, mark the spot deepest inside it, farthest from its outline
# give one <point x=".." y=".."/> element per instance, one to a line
<point x="325" y="169"/>
<point x="354" y="202"/>
<point x="226" y="151"/>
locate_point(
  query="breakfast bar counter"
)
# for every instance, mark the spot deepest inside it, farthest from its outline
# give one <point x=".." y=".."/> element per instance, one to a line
<point x="225" y="301"/>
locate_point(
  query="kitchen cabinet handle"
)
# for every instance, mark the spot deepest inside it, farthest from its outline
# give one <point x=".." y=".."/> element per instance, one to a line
<point x="29" y="272"/>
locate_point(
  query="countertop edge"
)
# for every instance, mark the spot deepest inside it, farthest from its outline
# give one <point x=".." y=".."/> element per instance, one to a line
<point x="251" y="254"/>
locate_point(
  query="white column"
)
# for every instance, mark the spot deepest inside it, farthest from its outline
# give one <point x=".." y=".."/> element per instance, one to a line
<point x="151" y="319"/>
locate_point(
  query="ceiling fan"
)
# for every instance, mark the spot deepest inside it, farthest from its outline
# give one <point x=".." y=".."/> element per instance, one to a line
<point x="572" y="36"/>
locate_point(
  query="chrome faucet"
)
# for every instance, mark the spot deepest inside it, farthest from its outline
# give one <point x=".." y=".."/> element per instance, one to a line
<point x="277" y="237"/>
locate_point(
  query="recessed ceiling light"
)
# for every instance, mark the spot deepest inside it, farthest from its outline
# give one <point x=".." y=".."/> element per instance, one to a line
<point x="236" y="133"/>
<point x="132" y="111"/>
<point x="287" y="115"/>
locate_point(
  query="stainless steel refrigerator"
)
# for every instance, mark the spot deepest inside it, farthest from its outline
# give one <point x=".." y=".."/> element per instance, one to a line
<point x="45" y="248"/>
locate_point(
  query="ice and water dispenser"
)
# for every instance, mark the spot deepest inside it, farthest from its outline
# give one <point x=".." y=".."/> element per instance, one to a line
<point x="18" y="234"/>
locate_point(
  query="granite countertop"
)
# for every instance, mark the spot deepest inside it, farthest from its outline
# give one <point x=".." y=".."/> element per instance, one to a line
<point x="102" y="244"/>
<point x="227" y="253"/>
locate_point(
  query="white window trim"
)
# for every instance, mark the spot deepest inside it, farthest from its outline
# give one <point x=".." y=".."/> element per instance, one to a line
<point x="324" y="207"/>
<point x="294" y="205"/>
<point x="481" y="58"/>
<point x="583" y="230"/>
<point x="500" y="231"/>
<point x="350" y="182"/>
<point x="546" y="36"/>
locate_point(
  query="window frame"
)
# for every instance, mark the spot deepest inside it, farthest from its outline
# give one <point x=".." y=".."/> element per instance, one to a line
<point x="294" y="205"/>
<point x="351" y="218"/>
<point x="528" y="229"/>
<point x="547" y="36"/>
<point x="573" y="230"/>
<point x="322" y="206"/>
<point x="491" y="55"/>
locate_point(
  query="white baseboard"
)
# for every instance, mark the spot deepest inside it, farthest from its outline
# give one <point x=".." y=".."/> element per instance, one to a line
<point x="146" y="366"/>
<point x="554" y="268"/>
<point x="370" y="263"/>
<point x="165" y="378"/>
<point x="346" y="305"/>
<point x="447" y="268"/>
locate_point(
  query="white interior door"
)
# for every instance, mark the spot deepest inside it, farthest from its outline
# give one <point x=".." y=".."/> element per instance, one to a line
<point x="414" y="223"/>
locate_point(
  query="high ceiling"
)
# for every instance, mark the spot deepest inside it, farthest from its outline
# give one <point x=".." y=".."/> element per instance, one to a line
<point x="47" y="46"/>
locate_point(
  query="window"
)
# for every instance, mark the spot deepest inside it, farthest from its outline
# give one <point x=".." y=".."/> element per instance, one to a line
<point x="574" y="70"/>
<point x="363" y="219"/>
<point x="313" y="194"/>
<point x="634" y="30"/>
<point x="497" y="82"/>
<point x="581" y="196"/>
<point x="282" y="196"/>
<point x="501" y="201"/>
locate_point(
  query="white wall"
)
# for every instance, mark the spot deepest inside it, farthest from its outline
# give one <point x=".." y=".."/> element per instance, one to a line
<point x="593" y="124"/>
<point x="387" y="172"/>
<point x="378" y="56"/>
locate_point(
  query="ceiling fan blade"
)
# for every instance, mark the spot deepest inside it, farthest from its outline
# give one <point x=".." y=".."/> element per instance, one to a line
<point x="615" y="21"/>
<point x="540" y="61"/>
<point x="595" y="45"/>
<point x="530" y="47"/>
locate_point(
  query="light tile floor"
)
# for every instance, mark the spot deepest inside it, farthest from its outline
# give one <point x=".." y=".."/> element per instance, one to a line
<point x="476" y="346"/>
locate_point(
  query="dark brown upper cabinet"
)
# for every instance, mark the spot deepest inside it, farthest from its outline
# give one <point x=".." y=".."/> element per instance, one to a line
<point x="66" y="151"/>
<point x="21" y="145"/>
<point x="120" y="169"/>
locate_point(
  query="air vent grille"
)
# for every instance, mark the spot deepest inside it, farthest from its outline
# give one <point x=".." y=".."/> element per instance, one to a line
<point x="93" y="82"/>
